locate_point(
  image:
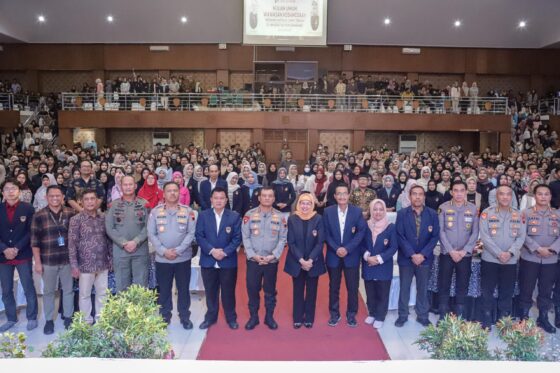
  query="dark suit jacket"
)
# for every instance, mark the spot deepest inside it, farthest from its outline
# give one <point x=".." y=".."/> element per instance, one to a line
<point x="386" y="246"/>
<point x="18" y="233"/>
<point x="238" y="202"/>
<point x="306" y="246"/>
<point x="228" y="237"/>
<point x="354" y="230"/>
<point x="249" y="202"/>
<point x="409" y="243"/>
<point x="284" y="193"/>
<point x="389" y="199"/>
<point x="206" y="191"/>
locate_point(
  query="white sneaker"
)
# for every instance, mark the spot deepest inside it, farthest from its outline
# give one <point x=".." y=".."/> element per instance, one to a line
<point x="369" y="320"/>
<point x="378" y="324"/>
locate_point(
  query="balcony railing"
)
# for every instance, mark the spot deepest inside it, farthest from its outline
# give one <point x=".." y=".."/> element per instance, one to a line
<point x="282" y="102"/>
<point x="550" y="106"/>
<point x="6" y="101"/>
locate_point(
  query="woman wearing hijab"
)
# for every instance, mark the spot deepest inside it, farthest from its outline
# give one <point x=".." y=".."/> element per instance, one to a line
<point x="190" y="183"/>
<point x="318" y="185"/>
<point x="404" y="199"/>
<point x="484" y="186"/>
<point x="151" y="192"/>
<point x="25" y="194"/>
<point x="198" y="177"/>
<point x="235" y="197"/>
<point x="245" y="172"/>
<point x="40" y="200"/>
<point x="184" y="195"/>
<point x="337" y="179"/>
<point x="425" y="177"/>
<point x="145" y="172"/>
<point x="116" y="190"/>
<point x="261" y="172"/>
<point x="528" y="199"/>
<point x="304" y="260"/>
<point x="295" y="179"/>
<point x="250" y="190"/>
<point x="433" y="198"/>
<point x="284" y="193"/>
<point x="377" y="264"/>
<point x="472" y="195"/>
<point x="389" y="193"/>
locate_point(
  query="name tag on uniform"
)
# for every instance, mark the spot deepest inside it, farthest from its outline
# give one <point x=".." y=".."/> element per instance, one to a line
<point x="468" y="219"/>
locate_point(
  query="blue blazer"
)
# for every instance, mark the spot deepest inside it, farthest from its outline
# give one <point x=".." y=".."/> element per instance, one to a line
<point x="284" y="193"/>
<point x="409" y="244"/>
<point x="192" y="186"/>
<point x="228" y="238"/>
<point x="17" y="233"/>
<point x="238" y="202"/>
<point x="308" y="246"/>
<point x="206" y="191"/>
<point x="386" y="246"/>
<point x="249" y="202"/>
<point x="354" y="230"/>
<point x="391" y="198"/>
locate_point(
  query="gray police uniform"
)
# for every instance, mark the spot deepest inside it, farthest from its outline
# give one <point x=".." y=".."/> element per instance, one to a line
<point x="173" y="229"/>
<point x="501" y="230"/>
<point x="126" y="221"/>
<point x="263" y="234"/>
<point x="542" y="231"/>
<point x="458" y="231"/>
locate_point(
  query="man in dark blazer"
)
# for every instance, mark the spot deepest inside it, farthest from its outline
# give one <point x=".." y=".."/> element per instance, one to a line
<point x="16" y="253"/>
<point x="344" y="232"/>
<point x="218" y="234"/>
<point x="417" y="236"/>
<point x="207" y="186"/>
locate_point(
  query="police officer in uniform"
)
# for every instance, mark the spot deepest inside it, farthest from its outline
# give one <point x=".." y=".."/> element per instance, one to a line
<point x="458" y="221"/>
<point x="264" y="233"/>
<point x="171" y="229"/>
<point x="539" y="256"/>
<point x="502" y="232"/>
<point x="125" y="223"/>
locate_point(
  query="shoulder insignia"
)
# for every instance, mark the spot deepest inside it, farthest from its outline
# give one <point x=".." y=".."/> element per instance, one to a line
<point x="284" y="222"/>
<point x="484" y="215"/>
<point x="245" y="219"/>
<point x="192" y="215"/>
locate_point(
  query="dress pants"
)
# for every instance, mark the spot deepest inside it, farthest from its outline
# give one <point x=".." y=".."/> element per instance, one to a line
<point x="261" y="276"/>
<point x="503" y="276"/>
<point x="422" y="275"/>
<point x="51" y="275"/>
<point x="462" y="277"/>
<point x="100" y="280"/>
<point x="305" y="297"/>
<point x="556" y="295"/>
<point x="377" y="292"/>
<point x="529" y="273"/>
<point x="216" y="281"/>
<point x="352" y="281"/>
<point x="130" y="270"/>
<point x="7" y="280"/>
<point x="165" y="274"/>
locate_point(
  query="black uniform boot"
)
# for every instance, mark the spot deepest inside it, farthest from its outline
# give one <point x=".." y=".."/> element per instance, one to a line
<point x="524" y="314"/>
<point x="460" y="311"/>
<point x="557" y="316"/>
<point x="543" y="322"/>
<point x="487" y="320"/>
<point x="269" y="320"/>
<point x="253" y="321"/>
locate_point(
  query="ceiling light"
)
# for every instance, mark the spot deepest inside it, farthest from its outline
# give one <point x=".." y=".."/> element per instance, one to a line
<point x="41" y="18"/>
<point x="522" y="24"/>
<point x="387" y="21"/>
<point x="183" y="19"/>
<point x="110" y="18"/>
<point x="457" y="23"/>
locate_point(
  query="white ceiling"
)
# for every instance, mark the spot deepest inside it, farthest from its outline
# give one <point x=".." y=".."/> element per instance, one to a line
<point x="485" y="23"/>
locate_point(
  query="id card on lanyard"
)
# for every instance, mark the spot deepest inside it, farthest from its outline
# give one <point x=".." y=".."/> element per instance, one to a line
<point x="60" y="240"/>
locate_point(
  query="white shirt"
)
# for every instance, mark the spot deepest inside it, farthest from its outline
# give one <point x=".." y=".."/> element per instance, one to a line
<point x="342" y="221"/>
<point x="213" y="185"/>
<point x="218" y="221"/>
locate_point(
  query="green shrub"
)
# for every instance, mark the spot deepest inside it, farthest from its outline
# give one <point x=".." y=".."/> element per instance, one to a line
<point x="129" y="326"/>
<point x="455" y="339"/>
<point x="12" y="345"/>
<point x="523" y="339"/>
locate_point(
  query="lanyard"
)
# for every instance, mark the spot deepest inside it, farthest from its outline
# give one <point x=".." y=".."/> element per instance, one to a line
<point x="59" y="223"/>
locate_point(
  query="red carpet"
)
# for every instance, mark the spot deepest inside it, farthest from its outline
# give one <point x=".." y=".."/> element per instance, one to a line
<point x="320" y="343"/>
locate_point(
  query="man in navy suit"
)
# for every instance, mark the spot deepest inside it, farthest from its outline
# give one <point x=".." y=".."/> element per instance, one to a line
<point x="16" y="253"/>
<point x="417" y="235"/>
<point x="207" y="186"/>
<point x="218" y="234"/>
<point x="344" y="230"/>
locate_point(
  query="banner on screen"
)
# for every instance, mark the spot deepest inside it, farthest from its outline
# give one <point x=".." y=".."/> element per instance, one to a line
<point x="285" y="22"/>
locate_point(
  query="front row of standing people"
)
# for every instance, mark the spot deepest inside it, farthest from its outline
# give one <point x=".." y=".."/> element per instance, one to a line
<point x="87" y="245"/>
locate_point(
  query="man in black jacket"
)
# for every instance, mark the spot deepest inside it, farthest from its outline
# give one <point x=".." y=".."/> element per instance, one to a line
<point x="555" y="189"/>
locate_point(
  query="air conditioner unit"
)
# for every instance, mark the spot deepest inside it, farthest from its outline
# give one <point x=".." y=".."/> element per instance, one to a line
<point x="408" y="144"/>
<point x="347" y="47"/>
<point x="159" y="48"/>
<point x="222" y="46"/>
<point x="161" y="137"/>
<point x="411" y="51"/>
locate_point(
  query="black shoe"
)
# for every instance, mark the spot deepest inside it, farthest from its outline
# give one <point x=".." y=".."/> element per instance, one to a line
<point x="486" y="322"/>
<point x="270" y="322"/>
<point x="297" y="325"/>
<point x="333" y="321"/>
<point x="401" y="321"/>
<point x="524" y="314"/>
<point x="424" y="322"/>
<point x="543" y="323"/>
<point x="253" y="321"/>
<point x="206" y="324"/>
<point x="67" y="322"/>
<point x="233" y="325"/>
<point x="49" y="327"/>
<point x="557" y="317"/>
<point x="187" y="324"/>
<point x="308" y="325"/>
<point x="351" y="321"/>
